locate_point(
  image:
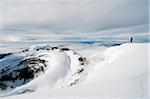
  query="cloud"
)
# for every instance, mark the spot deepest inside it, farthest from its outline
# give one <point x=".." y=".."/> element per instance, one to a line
<point x="71" y="15"/>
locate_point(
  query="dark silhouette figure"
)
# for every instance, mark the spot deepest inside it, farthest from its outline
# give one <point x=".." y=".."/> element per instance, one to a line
<point x="131" y="39"/>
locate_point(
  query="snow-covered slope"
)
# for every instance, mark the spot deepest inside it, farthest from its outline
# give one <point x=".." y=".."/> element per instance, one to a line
<point x="117" y="72"/>
<point x="121" y="61"/>
<point x="19" y="68"/>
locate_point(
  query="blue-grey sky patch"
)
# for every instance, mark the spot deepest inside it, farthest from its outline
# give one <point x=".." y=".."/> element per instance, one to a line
<point x="71" y="16"/>
<point x="73" y="20"/>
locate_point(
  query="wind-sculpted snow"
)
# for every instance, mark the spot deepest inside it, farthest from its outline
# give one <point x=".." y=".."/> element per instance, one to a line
<point x="21" y="67"/>
<point x="113" y="72"/>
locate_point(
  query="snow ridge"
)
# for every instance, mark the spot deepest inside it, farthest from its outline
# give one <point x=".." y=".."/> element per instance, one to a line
<point x="40" y="65"/>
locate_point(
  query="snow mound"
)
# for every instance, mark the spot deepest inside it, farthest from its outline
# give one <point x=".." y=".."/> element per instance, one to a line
<point x="120" y="71"/>
<point x="116" y="72"/>
<point x="39" y="66"/>
<point x="120" y="61"/>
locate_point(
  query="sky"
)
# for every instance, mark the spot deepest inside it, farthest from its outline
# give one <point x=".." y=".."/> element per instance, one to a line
<point x="41" y="20"/>
<point x="71" y="15"/>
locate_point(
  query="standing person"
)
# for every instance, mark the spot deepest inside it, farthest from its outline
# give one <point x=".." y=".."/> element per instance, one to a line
<point x="131" y="39"/>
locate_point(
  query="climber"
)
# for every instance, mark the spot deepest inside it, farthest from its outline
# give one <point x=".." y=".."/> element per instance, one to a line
<point x="131" y="39"/>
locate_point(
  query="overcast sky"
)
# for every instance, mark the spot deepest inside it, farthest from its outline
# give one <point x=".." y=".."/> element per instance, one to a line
<point x="27" y="16"/>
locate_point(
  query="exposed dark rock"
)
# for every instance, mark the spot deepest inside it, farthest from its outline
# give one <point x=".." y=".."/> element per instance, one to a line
<point x="80" y="70"/>
<point x="82" y="63"/>
<point x="4" y="55"/>
<point x="25" y="50"/>
<point x="3" y="86"/>
<point x="81" y="59"/>
<point x="65" y="49"/>
<point x="53" y="48"/>
<point x="25" y="91"/>
<point x="24" y="69"/>
<point x="23" y="66"/>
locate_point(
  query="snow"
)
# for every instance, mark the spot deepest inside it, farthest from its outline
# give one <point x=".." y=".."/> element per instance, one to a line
<point x="56" y="71"/>
<point x="114" y="72"/>
<point x="122" y="61"/>
<point x="98" y="31"/>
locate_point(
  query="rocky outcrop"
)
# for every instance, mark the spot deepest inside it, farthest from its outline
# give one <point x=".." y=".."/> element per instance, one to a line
<point x="21" y="67"/>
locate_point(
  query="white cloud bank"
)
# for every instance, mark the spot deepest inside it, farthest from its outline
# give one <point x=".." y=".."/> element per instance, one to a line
<point x="28" y="16"/>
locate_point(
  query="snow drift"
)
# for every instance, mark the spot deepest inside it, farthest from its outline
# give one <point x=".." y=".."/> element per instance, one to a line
<point x="19" y="68"/>
<point x="119" y="72"/>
